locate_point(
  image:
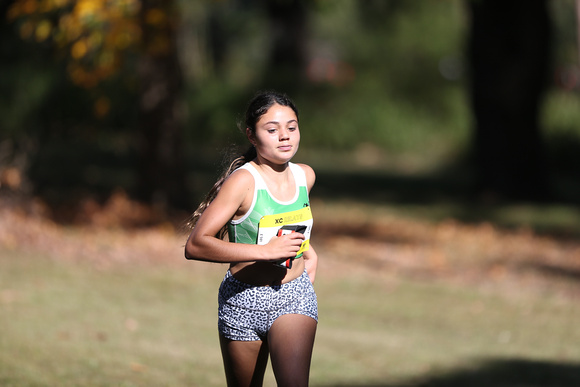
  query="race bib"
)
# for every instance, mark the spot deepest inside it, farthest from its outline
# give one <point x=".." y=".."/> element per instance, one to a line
<point x="285" y="223"/>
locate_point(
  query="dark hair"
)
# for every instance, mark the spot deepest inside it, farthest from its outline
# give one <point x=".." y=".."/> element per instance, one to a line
<point x="260" y="104"/>
<point x="257" y="107"/>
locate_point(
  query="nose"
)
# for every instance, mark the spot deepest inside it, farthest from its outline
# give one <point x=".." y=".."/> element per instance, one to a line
<point x="283" y="134"/>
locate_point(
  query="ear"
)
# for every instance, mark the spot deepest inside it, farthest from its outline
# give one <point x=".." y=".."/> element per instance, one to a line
<point x="251" y="136"/>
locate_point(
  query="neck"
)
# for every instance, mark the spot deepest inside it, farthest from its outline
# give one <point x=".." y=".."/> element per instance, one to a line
<point x="272" y="171"/>
<point x="269" y="167"/>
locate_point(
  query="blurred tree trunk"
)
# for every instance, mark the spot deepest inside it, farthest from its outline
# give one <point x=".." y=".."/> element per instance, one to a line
<point x="509" y="53"/>
<point x="4" y="6"/>
<point x="161" y="164"/>
<point x="288" y="55"/>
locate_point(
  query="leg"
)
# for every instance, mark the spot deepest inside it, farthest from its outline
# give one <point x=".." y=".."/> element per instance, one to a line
<point x="244" y="362"/>
<point x="291" y="339"/>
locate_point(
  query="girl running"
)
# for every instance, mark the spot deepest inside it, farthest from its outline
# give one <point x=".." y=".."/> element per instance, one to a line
<point x="267" y="304"/>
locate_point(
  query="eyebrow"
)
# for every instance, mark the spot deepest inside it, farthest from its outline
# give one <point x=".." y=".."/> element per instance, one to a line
<point x="278" y="123"/>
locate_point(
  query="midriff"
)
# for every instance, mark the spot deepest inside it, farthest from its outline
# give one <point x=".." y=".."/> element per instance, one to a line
<point x="266" y="273"/>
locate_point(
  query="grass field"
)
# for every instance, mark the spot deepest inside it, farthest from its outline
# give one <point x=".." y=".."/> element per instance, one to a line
<point x="403" y="302"/>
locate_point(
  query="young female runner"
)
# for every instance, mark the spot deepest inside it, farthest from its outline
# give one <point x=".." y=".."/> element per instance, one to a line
<point x="267" y="304"/>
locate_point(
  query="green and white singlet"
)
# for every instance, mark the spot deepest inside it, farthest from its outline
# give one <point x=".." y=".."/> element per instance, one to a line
<point x="245" y="229"/>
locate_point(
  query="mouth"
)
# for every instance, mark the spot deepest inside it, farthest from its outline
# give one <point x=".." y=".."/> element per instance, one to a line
<point x="285" y="148"/>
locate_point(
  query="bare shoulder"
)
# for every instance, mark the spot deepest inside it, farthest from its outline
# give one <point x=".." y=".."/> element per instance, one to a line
<point x="310" y="174"/>
<point x="239" y="181"/>
<point x="237" y="191"/>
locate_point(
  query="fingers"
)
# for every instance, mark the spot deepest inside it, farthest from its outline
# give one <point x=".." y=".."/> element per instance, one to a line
<point x="294" y="235"/>
<point x="286" y="246"/>
<point x="295" y="239"/>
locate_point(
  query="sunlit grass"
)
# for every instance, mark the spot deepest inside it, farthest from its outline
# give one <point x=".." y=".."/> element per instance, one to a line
<point x="404" y="330"/>
<point x="73" y="324"/>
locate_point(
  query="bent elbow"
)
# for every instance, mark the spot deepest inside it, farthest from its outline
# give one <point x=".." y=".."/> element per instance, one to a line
<point x="195" y="250"/>
<point x="201" y="248"/>
<point x="190" y="252"/>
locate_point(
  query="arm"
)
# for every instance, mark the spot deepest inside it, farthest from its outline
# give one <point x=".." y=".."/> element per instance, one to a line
<point x="310" y="256"/>
<point x="310" y="262"/>
<point x="310" y="175"/>
<point x="202" y="244"/>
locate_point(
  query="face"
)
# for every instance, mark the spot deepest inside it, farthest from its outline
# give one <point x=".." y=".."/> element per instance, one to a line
<point x="277" y="135"/>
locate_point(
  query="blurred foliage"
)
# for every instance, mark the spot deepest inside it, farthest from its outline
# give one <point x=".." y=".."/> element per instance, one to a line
<point x="92" y="35"/>
<point x="387" y="73"/>
<point x="382" y="78"/>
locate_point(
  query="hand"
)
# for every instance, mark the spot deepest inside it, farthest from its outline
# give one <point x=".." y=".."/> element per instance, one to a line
<point x="285" y="246"/>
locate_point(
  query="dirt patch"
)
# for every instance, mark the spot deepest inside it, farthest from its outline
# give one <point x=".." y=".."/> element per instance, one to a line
<point x="124" y="232"/>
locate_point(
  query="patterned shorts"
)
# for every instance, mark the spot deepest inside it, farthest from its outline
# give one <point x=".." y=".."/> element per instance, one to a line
<point x="246" y="312"/>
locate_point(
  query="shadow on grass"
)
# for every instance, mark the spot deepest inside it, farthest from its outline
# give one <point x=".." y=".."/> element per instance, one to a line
<point x="66" y="171"/>
<point x="451" y="185"/>
<point x="555" y="272"/>
<point x="453" y="189"/>
<point x="498" y="373"/>
<point x="380" y="187"/>
<point x="452" y="194"/>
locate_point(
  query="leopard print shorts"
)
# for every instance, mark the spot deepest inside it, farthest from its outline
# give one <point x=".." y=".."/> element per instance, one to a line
<point x="246" y="312"/>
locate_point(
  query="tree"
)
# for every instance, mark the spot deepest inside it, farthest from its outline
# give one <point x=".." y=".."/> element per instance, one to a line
<point x="509" y="53"/>
<point x="288" y="56"/>
<point x="161" y="166"/>
<point x="286" y="27"/>
<point x="100" y="40"/>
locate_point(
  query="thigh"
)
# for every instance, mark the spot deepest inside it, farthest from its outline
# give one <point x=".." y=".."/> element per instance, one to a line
<point x="244" y="361"/>
<point x="290" y="340"/>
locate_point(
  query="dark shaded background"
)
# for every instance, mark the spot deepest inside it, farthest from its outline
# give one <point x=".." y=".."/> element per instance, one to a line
<point x="460" y="87"/>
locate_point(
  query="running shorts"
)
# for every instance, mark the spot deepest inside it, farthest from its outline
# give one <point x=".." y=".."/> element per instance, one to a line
<point x="246" y="312"/>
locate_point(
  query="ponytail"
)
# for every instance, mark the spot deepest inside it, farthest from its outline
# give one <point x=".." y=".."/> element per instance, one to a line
<point x="248" y="156"/>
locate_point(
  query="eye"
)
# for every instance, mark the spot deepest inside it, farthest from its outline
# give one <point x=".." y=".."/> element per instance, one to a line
<point x="292" y="128"/>
<point x="271" y="130"/>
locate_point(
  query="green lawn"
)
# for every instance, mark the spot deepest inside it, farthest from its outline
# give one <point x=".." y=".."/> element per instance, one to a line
<point x="77" y="324"/>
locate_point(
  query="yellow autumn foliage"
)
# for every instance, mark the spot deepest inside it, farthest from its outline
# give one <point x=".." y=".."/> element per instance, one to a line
<point x="43" y="30"/>
<point x="79" y="49"/>
<point x="94" y="33"/>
